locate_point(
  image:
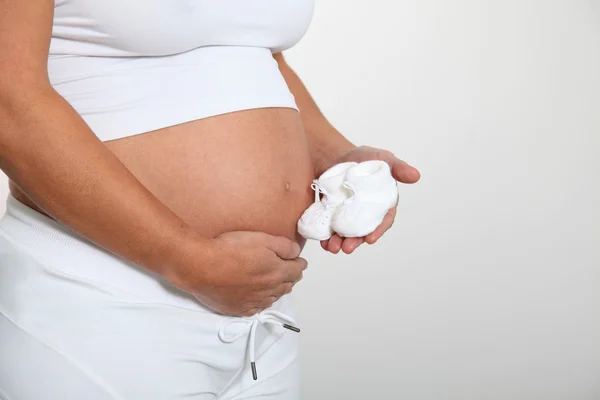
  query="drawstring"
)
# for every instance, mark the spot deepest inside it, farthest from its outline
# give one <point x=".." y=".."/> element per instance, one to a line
<point x="265" y="317"/>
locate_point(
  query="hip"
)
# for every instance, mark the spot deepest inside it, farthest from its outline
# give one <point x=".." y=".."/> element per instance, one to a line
<point x="126" y="330"/>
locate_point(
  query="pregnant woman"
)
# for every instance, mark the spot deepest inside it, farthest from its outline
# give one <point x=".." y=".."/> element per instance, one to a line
<point x="160" y="153"/>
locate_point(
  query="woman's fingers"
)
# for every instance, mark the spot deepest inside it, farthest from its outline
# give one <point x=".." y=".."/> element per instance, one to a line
<point x="335" y="244"/>
<point x="282" y="290"/>
<point x="387" y="223"/>
<point x="266" y="303"/>
<point x="403" y="172"/>
<point x="351" y="244"/>
<point x="251" y="312"/>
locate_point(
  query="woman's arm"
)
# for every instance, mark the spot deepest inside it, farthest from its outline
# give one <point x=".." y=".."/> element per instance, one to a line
<point x="326" y="143"/>
<point x="52" y="155"/>
<point x="329" y="147"/>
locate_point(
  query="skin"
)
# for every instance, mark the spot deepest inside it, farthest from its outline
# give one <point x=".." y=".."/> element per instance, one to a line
<point x="111" y="194"/>
<point x="329" y="147"/>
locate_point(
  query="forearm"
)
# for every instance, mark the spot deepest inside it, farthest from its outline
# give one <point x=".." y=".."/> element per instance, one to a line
<point x="51" y="154"/>
<point x="325" y="142"/>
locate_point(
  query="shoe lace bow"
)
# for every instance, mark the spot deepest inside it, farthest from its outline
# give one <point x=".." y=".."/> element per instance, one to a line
<point x="320" y="190"/>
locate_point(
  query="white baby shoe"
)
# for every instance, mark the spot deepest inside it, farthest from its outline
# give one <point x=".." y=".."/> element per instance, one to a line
<point x="315" y="223"/>
<point x="374" y="193"/>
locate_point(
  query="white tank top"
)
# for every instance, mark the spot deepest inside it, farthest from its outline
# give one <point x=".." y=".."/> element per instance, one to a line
<point x="133" y="66"/>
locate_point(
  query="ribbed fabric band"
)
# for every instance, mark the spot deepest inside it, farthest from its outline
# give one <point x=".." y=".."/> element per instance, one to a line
<point x="56" y="246"/>
<point x="126" y="96"/>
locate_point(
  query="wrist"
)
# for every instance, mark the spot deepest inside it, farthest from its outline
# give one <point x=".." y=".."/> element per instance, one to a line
<point x="190" y="256"/>
<point x="328" y="153"/>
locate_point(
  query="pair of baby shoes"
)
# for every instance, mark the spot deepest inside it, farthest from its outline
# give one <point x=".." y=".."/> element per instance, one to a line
<point x="356" y="198"/>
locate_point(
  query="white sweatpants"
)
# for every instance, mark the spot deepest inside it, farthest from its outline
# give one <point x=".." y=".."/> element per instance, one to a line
<point x="77" y="322"/>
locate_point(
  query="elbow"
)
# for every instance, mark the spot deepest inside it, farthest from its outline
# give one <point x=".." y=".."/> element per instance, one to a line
<point x="20" y="103"/>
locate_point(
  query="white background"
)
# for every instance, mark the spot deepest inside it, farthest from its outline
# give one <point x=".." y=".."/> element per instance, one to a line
<point x="489" y="285"/>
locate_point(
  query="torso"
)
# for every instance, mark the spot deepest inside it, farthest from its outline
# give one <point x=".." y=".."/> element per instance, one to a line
<point x="195" y="107"/>
<point x="248" y="170"/>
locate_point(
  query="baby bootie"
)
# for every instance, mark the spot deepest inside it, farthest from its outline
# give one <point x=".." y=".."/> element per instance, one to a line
<point x="374" y="193"/>
<point x="315" y="223"/>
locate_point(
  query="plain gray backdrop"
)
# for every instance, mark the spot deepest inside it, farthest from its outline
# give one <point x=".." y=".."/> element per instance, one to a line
<point x="488" y="287"/>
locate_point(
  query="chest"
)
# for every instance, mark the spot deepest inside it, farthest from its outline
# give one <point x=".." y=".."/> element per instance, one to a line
<point x="163" y="27"/>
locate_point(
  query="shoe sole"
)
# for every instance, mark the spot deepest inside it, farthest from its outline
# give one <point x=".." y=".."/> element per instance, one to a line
<point x="374" y="226"/>
<point x="371" y="229"/>
<point x="304" y="234"/>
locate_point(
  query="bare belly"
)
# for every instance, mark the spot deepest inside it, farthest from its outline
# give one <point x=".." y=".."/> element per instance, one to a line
<point x="248" y="170"/>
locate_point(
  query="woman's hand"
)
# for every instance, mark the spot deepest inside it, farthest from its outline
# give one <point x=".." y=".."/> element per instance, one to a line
<point x="401" y="171"/>
<point x="241" y="273"/>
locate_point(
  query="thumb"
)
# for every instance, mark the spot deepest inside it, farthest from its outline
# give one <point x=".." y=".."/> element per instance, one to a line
<point x="285" y="248"/>
<point x="403" y="172"/>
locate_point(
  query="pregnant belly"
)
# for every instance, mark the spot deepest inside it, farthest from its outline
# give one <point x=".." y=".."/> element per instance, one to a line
<point x="248" y="170"/>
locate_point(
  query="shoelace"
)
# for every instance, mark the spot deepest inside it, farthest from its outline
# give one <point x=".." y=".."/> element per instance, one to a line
<point x="350" y="199"/>
<point x="318" y="191"/>
<point x="264" y="317"/>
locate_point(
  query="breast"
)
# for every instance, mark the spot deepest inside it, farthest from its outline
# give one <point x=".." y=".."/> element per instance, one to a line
<point x="164" y="27"/>
<point x="248" y="170"/>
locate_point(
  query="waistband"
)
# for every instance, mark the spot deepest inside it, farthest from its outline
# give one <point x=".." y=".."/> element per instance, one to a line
<point x="124" y="96"/>
<point x="56" y="246"/>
